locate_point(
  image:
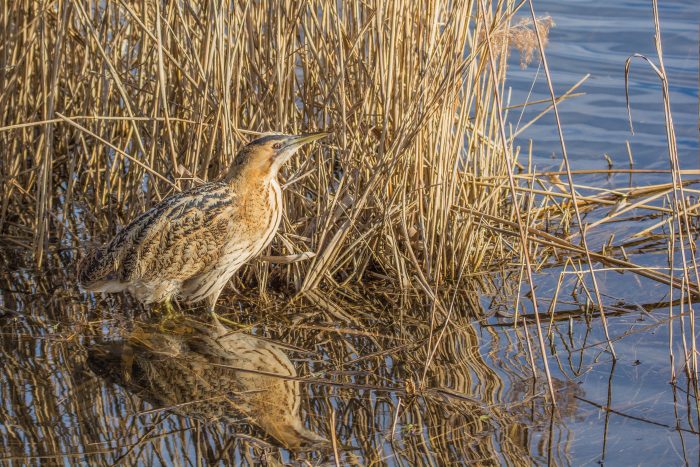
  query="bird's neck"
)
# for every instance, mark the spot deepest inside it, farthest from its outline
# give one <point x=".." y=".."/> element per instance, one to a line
<point x="259" y="202"/>
<point x="253" y="187"/>
<point x="250" y="178"/>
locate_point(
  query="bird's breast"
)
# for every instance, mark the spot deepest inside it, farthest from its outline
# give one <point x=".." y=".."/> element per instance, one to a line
<point x="260" y="216"/>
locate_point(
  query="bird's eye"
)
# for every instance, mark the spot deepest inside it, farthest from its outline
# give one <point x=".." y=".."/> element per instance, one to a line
<point x="277" y="146"/>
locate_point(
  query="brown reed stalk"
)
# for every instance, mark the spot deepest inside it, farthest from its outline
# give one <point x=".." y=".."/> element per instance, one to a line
<point x="522" y="229"/>
<point x="569" y="177"/>
<point x="685" y="242"/>
<point x="152" y="96"/>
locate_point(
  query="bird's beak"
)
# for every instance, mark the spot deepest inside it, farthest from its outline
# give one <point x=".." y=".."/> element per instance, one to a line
<point x="298" y="141"/>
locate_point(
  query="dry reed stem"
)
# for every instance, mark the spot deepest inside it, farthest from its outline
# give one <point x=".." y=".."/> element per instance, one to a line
<point x="175" y="92"/>
<point x="683" y="226"/>
<point x="541" y="44"/>
<point x="522" y="229"/>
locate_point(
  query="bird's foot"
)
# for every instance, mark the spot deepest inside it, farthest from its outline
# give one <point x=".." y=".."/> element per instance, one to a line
<point x="218" y="319"/>
<point x="168" y="314"/>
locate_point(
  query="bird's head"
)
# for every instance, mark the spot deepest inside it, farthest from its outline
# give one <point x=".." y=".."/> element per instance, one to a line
<point x="264" y="156"/>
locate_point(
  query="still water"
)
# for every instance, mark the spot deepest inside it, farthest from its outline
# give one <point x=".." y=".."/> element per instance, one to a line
<point x="651" y="418"/>
<point x="87" y="381"/>
<point x="596" y="37"/>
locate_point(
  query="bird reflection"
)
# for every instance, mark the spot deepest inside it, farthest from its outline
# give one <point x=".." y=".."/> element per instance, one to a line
<point x="210" y="374"/>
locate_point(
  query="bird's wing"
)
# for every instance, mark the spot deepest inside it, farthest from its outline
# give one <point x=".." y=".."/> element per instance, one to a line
<point x="177" y="238"/>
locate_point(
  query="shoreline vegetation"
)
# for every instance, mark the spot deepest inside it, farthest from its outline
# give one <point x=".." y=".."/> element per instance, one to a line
<point x="420" y="201"/>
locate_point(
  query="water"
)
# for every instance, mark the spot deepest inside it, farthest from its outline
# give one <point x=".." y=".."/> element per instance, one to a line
<point x="654" y="421"/>
<point x="90" y="384"/>
<point x="62" y="402"/>
<point x="596" y="37"/>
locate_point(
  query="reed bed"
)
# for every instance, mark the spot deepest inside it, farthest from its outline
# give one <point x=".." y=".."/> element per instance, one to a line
<point x="419" y="201"/>
<point x="109" y="107"/>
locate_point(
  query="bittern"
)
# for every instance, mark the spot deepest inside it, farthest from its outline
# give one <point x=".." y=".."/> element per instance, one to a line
<point x="210" y="375"/>
<point x="189" y="245"/>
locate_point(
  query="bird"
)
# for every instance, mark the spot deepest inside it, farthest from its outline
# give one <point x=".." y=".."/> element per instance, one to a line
<point x="189" y="245"/>
<point x="210" y="374"/>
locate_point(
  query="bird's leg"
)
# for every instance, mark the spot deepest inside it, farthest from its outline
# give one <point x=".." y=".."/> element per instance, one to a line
<point x="217" y="317"/>
<point x="212" y="299"/>
<point x="169" y="308"/>
<point x="168" y="313"/>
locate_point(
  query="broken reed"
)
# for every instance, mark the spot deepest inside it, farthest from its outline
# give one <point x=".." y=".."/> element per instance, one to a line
<point x="107" y="107"/>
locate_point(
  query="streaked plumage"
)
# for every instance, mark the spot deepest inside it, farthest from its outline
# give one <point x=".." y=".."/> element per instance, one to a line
<point x="190" y="244"/>
<point x="211" y="375"/>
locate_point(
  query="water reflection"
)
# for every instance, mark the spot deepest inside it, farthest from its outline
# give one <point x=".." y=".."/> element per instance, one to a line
<point x="189" y="392"/>
<point x="211" y="374"/>
<point x="399" y="392"/>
